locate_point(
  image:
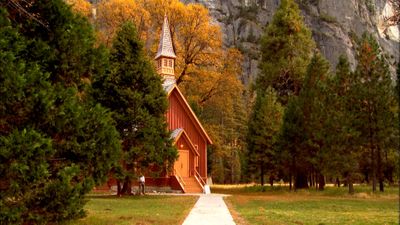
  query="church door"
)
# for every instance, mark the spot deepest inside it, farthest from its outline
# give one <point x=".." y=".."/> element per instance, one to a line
<point x="182" y="164"/>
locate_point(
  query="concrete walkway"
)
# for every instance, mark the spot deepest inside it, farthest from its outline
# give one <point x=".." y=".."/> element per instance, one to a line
<point x="209" y="210"/>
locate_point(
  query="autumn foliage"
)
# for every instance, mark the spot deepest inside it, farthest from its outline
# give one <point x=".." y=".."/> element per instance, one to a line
<point x="197" y="41"/>
<point x="206" y="72"/>
<point x="81" y="6"/>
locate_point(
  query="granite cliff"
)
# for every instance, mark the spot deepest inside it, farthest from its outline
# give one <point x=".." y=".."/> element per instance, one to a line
<point x="335" y="25"/>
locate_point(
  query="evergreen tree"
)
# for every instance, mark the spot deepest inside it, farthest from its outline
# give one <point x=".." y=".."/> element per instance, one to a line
<point x="373" y="105"/>
<point x="396" y="166"/>
<point x="63" y="41"/>
<point x="286" y="50"/>
<point x="344" y="152"/>
<point x="302" y="133"/>
<point x="291" y="136"/>
<point x="23" y="154"/>
<point x="263" y="128"/>
<point x="133" y="92"/>
<point x="398" y="84"/>
<point x="312" y="96"/>
<point x="56" y="144"/>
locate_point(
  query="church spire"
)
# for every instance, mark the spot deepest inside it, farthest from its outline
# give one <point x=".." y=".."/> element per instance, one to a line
<point x="165" y="47"/>
<point x="165" y="57"/>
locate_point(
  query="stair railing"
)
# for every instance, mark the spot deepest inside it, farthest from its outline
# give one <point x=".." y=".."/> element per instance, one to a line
<point x="180" y="179"/>
<point x="199" y="179"/>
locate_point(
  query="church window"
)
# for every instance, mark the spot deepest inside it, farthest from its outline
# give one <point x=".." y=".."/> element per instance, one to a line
<point x="165" y="62"/>
<point x="170" y="63"/>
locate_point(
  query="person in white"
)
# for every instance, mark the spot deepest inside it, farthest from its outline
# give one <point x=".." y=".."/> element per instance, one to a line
<point x="141" y="184"/>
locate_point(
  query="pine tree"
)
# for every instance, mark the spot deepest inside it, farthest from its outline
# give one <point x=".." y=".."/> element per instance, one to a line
<point x="286" y="50"/>
<point x="344" y="152"/>
<point x="302" y="133"/>
<point x="291" y="136"/>
<point x="23" y="154"/>
<point x="373" y="104"/>
<point x="398" y="84"/>
<point x="48" y="120"/>
<point x="312" y="98"/>
<point x="396" y="166"/>
<point x="133" y="92"/>
<point x="263" y="128"/>
<point x="64" y="41"/>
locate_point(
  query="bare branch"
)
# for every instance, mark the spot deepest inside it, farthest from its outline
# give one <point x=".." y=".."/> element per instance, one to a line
<point x="395" y="18"/>
<point x="17" y="6"/>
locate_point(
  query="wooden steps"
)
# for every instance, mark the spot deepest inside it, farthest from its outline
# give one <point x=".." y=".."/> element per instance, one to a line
<point x="192" y="185"/>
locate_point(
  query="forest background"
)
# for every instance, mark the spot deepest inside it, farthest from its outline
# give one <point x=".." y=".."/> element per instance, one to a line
<point x="79" y="93"/>
<point x="209" y="75"/>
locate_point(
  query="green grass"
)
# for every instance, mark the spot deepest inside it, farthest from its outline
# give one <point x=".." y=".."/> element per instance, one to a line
<point x="360" y="190"/>
<point x="143" y="210"/>
<point x="249" y="205"/>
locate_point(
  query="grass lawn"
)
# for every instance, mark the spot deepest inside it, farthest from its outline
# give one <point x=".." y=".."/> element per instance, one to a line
<point x="136" y="210"/>
<point x="249" y="205"/>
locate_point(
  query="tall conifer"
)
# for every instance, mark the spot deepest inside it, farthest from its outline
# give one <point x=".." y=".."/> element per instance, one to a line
<point x="286" y="50"/>
<point x="291" y="136"/>
<point x="133" y="92"/>
<point x="373" y="105"/>
<point x="302" y="133"/>
<point x="312" y="96"/>
<point x="344" y="150"/>
<point x="56" y="143"/>
<point x="264" y="126"/>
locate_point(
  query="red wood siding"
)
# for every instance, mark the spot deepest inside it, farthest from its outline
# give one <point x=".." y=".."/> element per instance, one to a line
<point x="178" y="116"/>
<point x="174" y="183"/>
<point x="159" y="181"/>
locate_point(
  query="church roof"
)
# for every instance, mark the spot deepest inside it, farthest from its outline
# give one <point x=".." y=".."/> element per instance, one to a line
<point x="177" y="133"/>
<point x="165" y="47"/>
<point x="169" y="89"/>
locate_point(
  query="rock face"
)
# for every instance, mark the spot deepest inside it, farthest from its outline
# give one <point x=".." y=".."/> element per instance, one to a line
<point x="335" y="25"/>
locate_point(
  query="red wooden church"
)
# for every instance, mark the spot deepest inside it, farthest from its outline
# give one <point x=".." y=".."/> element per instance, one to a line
<point x="189" y="173"/>
<point x="190" y="138"/>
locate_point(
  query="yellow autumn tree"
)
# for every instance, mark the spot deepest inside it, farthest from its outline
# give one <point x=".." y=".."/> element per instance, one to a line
<point x="216" y="81"/>
<point x="200" y="41"/>
<point x="81" y="6"/>
<point x="174" y="9"/>
<point x="218" y="98"/>
<point x="205" y="71"/>
<point x="112" y="14"/>
<point x="196" y="39"/>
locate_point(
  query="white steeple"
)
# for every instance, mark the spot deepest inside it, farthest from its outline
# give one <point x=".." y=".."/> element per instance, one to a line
<point x="165" y="47"/>
<point x="165" y="57"/>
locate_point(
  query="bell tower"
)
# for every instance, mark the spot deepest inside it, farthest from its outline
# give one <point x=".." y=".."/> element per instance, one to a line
<point x="165" y="57"/>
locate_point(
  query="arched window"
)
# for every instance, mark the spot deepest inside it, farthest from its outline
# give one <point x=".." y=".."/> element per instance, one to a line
<point x="170" y="63"/>
<point x="165" y="62"/>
